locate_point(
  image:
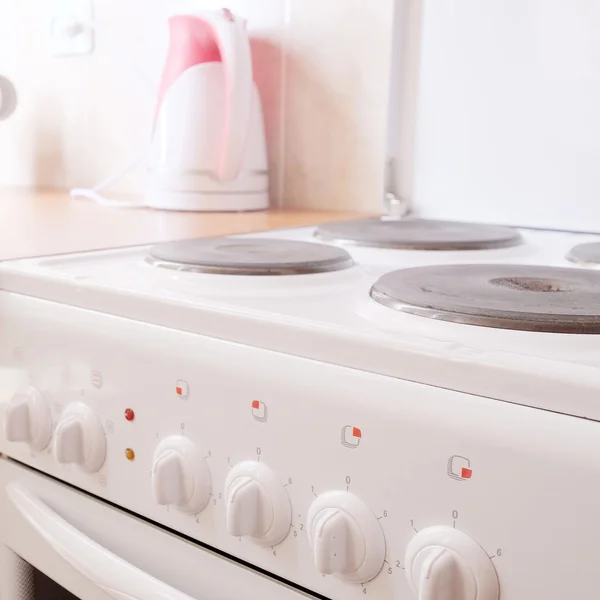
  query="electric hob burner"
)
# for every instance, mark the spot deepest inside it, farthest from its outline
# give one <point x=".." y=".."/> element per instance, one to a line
<point x="418" y="234"/>
<point x="529" y="298"/>
<point x="232" y="256"/>
<point x="585" y="254"/>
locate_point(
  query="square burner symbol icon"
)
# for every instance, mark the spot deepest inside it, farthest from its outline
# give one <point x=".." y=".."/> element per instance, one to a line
<point x="459" y="468"/>
<point x="351" y="436"/>
<point x="96" y="379"/>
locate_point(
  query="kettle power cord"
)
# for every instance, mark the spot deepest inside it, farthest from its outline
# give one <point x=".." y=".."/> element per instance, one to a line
<point x="72" y="28"/>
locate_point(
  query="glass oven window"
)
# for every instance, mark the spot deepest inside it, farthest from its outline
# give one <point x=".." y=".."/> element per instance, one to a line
<point x="45" y="588"/>
<point x="20" y="580"/>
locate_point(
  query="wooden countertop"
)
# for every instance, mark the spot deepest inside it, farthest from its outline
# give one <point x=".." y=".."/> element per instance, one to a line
<point x="42" y="223"/>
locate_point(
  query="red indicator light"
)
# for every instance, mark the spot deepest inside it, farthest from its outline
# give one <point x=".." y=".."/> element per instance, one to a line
<point x="256" y="404"/>
<point x="356" y="432"/>
<point x="129" y="414"/>
<point x="466" y="473"/>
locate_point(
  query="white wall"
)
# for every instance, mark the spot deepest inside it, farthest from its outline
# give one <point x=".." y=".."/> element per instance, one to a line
<point x="321" y="66"/>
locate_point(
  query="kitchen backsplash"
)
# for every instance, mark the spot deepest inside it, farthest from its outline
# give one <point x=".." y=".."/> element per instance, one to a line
<point x="321" y="67"/>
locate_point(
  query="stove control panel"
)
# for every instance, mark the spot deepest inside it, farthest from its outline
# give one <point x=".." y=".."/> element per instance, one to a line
<point x="349" y="484"/>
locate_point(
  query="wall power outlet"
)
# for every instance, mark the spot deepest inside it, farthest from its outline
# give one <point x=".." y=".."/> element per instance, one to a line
<point x="71" y="31"/>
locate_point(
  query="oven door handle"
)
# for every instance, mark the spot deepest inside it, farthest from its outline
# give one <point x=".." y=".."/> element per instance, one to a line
<point x="115" y="576"/>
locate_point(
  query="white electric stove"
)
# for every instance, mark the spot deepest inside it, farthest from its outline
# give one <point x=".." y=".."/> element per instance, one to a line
<point x="394" y="409"/>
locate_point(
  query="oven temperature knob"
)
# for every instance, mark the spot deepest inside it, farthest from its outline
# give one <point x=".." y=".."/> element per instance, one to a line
<point x="79" y="438"/>
<point x="443" y="563"/>
<point x="346" y="537"/>
<point x="27" y="419"/>
<point x="180" y="475"/>
<point x="257" y="504"/>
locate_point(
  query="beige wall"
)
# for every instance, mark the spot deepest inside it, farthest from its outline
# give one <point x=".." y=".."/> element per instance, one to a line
<point x="321" y="66"/>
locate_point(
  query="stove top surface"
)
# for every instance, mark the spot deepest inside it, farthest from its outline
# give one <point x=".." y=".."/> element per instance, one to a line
<point x="331" y="317"/>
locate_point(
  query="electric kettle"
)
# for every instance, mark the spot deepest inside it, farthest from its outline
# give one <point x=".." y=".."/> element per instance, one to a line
<point x="208" y="147"/>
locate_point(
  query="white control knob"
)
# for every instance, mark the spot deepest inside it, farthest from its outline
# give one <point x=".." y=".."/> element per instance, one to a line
<point x="443" y="563"/>
<point x="257" y="504"/>
<point x="79" y="438"/>
<point x="180" y="475"/>
<point x="27" y="419"/>
<point x="346" y="537"/>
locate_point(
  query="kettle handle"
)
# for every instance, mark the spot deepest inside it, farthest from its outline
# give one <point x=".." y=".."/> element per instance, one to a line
<point x="232" y="39"/>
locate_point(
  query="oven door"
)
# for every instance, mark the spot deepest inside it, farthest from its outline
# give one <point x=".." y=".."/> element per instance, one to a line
<point x="60" y="544"/>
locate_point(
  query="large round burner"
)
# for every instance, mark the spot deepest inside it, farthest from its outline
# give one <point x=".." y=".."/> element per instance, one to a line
<point x="529" y="298"/>
<point x="585" y="254"/>
<point x="418" y="234"/>
<point x="235" y="256"/>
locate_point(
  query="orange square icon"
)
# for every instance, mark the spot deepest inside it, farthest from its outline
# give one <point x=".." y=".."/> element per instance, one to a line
<point x="182" y="388"/>
<point x="459" y="468"/>
<point x="351" y="436"/>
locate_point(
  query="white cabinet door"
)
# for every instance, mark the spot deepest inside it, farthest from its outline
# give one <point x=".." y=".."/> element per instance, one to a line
<point x="59" y="544"/>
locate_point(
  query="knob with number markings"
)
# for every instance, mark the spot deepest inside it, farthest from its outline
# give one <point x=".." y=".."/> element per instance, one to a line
<point x="79" y="438"/>
<point x="257" y="504"/>
<point x="180" y="475"/>
<point x="27" y="419"/>
<point x="443" y="563"/>
<point x="346" y="537"/>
